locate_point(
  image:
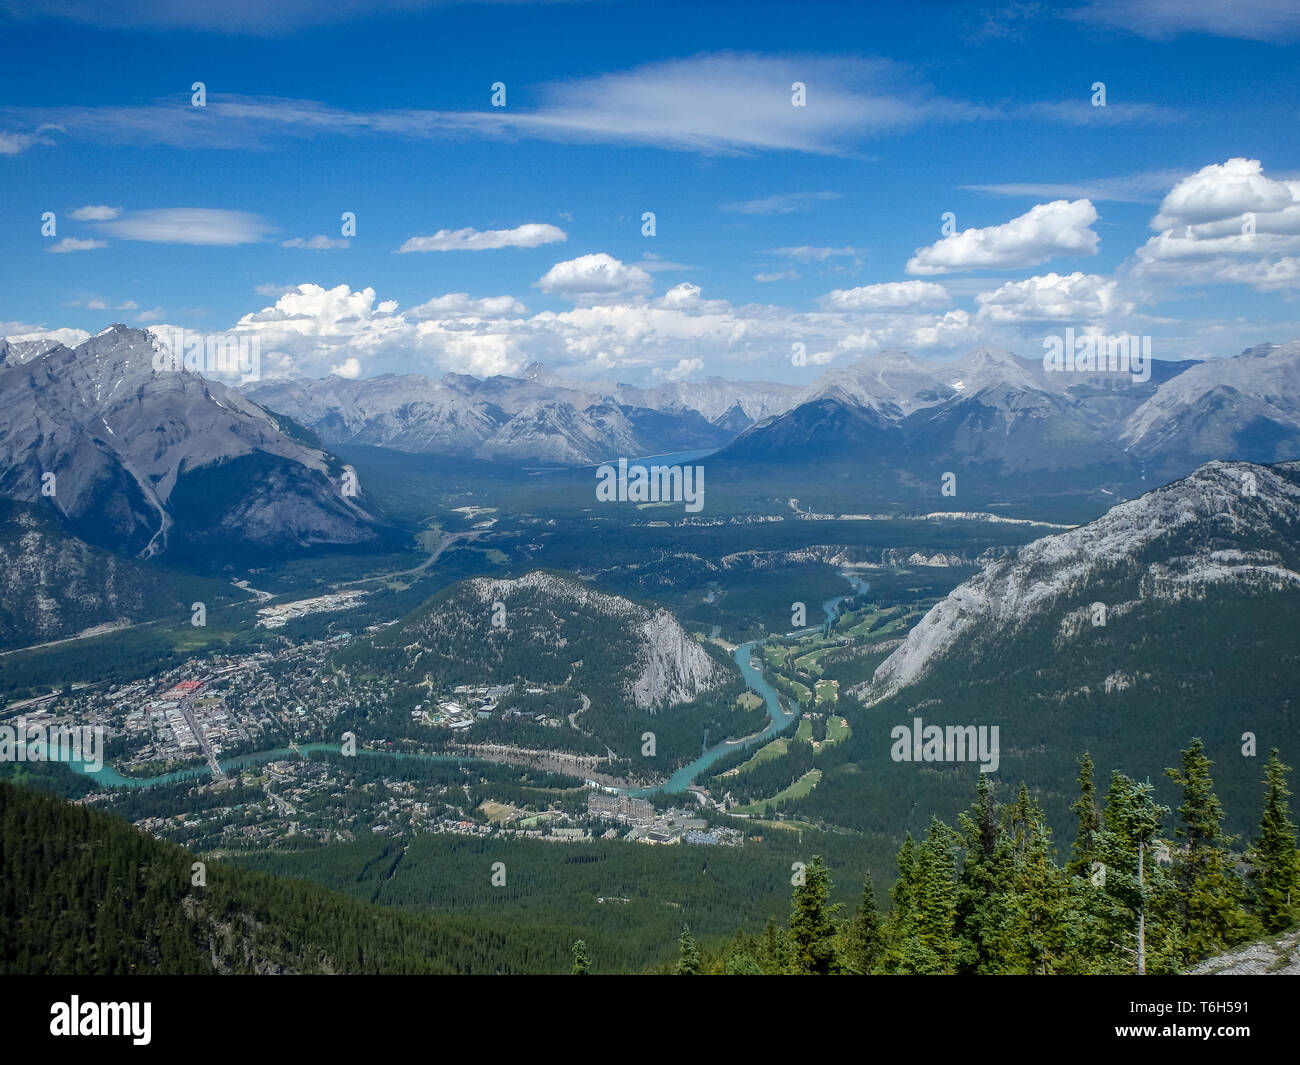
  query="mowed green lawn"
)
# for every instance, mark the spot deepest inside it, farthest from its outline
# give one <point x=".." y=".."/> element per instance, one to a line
<point x="797" y="790"/>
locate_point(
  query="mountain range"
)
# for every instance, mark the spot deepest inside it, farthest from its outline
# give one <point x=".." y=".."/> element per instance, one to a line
<point x="990" y="412"/>
<point x="998" y="415"/>
<point x="146" y="460"/>
<point x="538" y="417"/>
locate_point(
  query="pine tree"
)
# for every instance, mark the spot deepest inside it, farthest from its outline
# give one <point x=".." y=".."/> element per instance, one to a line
<point x="812" y="923"/>
<point x="1088" y="819"/>
<point x="581" y="963"/>
<point x="1274" y="853"/>
<point x="1032" y="932"/>
<point x="865" y="938"/>
<point x="1133" y="881"/>
<point x="773" y="953"/>
<point x="901" y="920"/>
<point x="926" y="939"/>
<point x="688" y="954"/>
<point x="979" y="887"/>
<point x="1209" y="892"/>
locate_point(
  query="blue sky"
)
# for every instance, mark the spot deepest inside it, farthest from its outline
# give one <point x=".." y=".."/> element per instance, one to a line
<point x="775" y="224"/>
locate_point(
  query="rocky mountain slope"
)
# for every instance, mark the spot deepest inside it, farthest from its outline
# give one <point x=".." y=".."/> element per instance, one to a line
<point x="1233" y="525"/>
<point x="550" y="630"/>
<point x="146" y="460"/>
<point x="53" y="585"/>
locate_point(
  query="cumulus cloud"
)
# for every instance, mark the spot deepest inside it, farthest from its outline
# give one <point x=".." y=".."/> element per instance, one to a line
<point x="530" y="235"/>
<point x="68" y="244"/>
<point x="1224" y="190"/>
<point x="685" y="369"/>
<point x="1228" y="223"/>
<point x="349" y="367"/>
<point x="593" y="278"/>
<point x="891" y="294"/>
<point x="95" y="213"/>
<point x="1045" y="231"/>
<point x="1053" y="298"/>
<point x="317" y="243"/>
<point x="188" y="225"/>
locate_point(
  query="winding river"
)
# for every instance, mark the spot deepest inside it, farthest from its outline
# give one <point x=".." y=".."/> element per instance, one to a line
<point x="779" y="721"/>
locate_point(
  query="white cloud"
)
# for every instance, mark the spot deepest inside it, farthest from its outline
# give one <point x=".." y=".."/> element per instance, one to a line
<point x="188" y="225"/>
<point x="13" y="143"/>
<point x="68" y="244"/>
<point x="1226" y="223"/>
<point x="157" y="314"/>
<point x="777" y="275"/>
<point x="468" y="239"/>
<point x="1045" y="231"/>
<point x="1224" y="190"/>
<point x="98" y="303"/>
<point x="350" y="367"/>
<point x="593" y="278"/>
<point x="317" y="243"/>
<point x="95" y="213"/>
<point x="461" y="305"/>
<point x="283" y="17"/>
<point x="1259" y="20"/>
<point x="782" y="203"/>
<point x="805" y="253"/>
<point x="18" y="332"/>
<point x="1076" y="297"/>
<point x="717" y="103"/>
<point x="891" y="294"/>
<point x="1131" y="188"/>
<point x="685" y="369"/>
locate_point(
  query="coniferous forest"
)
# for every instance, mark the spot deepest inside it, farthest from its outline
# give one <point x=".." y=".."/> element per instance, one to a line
<point x="1143" y="889"/>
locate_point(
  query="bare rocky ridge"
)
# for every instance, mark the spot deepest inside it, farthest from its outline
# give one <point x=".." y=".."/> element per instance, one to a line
<point x="1228" y="522"/>
<point x="671" y="667"/>
<point x="1269" y="957"/>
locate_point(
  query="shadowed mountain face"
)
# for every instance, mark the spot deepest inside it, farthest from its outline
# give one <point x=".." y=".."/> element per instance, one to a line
<point x="53" y="585"/>
<point x="992" y="415"/>
<point x="147" y="461"/>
